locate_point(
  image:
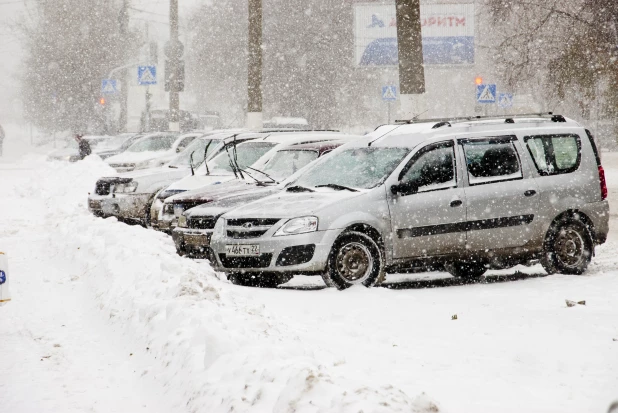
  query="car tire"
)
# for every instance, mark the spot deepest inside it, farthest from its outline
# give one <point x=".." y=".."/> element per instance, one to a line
<point x="465" y="270"/>
<point x="355" y="259"/>
<point x="568" y="247"/>
<point x="258" y="280"/>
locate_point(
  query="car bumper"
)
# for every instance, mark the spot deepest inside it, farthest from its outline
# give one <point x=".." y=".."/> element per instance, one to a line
<point x="275" y="253"/>
<point x="122" y="206"/>
<point x="193" y="242"/>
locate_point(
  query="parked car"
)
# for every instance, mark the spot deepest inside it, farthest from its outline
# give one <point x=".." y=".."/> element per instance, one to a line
<point x="70" y="152"/>
<point x="116" y="144"/>
<point x="250" y="157"/>
<point x="129" y="195"/>
<point x="197" y="211"/>
<point x="151" y="151"/>
<point x="464" y="194"/>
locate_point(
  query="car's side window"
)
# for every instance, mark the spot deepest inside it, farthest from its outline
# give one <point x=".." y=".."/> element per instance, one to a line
<point x="554" y="154"/>
<point x="432" y="168"/>
<point x="491" y="160"/>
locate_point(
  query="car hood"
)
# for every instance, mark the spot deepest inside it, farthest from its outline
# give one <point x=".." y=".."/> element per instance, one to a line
<point x="151" y="172"/>
<point x="292" y="204"/>
<point x="231" y="201"/>
<point x="134" y="157"/>
<point x="192" y="182"/>
<point x="214" y="192"/>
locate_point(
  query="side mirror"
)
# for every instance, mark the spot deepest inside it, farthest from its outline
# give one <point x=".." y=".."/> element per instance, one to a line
<point x="180" y="149"/>
<point x="404" y="188"/>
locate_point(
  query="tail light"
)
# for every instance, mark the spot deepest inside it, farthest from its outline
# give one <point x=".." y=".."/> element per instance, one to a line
<point x="603" y="183"/>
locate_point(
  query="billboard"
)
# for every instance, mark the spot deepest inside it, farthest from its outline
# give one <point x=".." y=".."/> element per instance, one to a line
<point x="447" y="29"/>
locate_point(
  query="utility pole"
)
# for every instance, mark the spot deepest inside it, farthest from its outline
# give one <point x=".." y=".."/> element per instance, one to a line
<point x="173" y="62"/>
<point x="411" y="69"/>
<point x="124" y="85"/>
<point x="254" y="80"/>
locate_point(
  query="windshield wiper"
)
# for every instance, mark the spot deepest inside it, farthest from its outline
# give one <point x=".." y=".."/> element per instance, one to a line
<point x="172" y="166"/>
<point x="338" y="187"/>
<point x="298" y="188"/>
<point x="263" y="173"/>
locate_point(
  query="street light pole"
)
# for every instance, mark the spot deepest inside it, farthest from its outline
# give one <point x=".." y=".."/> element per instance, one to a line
<point x="411" y="70"/>
<point x="174" y="122"/>
<point x="254" y="79"/>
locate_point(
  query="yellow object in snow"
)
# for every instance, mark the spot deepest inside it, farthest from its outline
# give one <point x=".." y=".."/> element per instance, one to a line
<point x="5" y="296"/>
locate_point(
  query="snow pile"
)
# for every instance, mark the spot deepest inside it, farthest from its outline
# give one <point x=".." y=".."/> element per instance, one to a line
<point x="207" y="341"/>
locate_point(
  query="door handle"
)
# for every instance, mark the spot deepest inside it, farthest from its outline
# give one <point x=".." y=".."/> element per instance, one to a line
<point x="456" y="203"/>
<point x="530" y="192"/>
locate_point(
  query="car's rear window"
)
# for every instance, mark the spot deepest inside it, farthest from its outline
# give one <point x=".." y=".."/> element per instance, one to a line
<point x="554" y="154"/>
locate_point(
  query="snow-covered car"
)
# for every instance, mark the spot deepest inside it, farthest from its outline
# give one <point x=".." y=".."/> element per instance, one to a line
<point x="250" y="157"/>
<point x="116" y="144"/>
<point x="464" y="194"/>
<point x="129" y="195"/>
<point x="151" y="151"/>
<point x="197" y="211"/>
<point x="70" y="152"/>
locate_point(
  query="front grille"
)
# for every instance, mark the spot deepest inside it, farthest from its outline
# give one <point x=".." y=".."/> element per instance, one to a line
<point x="245" y="234"/>
<point x="201" y="223"/>
<point x="102" y="187"/>
<point x="243" y="228"/>
<point x="262" y="261"/>
<point x="298" y="254"/>
<point x="256" y="222"/>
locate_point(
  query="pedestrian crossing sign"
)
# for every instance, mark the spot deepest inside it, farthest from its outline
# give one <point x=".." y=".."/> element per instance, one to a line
<point x="486" y="93"/>
<point x="146" y="75"/>
<point x="389" y="93"/>
<point x="109" y="86"/>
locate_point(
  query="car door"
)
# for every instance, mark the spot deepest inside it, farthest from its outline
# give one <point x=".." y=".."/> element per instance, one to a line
<point x="428" y="210"/>
<point x="502" y="198"/>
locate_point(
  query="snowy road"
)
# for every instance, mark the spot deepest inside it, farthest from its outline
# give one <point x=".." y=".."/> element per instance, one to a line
<point x="106" y="318"/>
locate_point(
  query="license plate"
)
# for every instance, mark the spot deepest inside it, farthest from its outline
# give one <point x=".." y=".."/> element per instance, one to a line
<point x="242" y="250"/>
<point x="197" y="240"/>
<point x="95" y="204"/>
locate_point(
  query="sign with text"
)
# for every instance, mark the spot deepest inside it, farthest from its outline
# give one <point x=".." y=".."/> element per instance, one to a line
<point x="447" y="29"/>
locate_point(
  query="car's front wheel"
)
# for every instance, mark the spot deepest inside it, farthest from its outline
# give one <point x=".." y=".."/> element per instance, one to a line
<point x="355" y="259"/>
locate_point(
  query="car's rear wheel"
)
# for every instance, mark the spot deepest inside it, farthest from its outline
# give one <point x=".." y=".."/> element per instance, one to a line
<point x="466" y="270"/>
<point x="355" y="259"/>
<point x="258" y="280"/>
<point x="568" y="248"/>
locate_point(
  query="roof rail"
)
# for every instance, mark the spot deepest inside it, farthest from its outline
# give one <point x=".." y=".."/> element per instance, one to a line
<point x="507" y="119"/>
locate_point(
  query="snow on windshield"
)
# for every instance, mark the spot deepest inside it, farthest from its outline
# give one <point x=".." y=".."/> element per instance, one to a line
<point x="245" y="155"/>
<point x="153" y="144"/>
<point x="197" y="148"/>
<point x="286" y="163"/>
<point x="363" y="167"/>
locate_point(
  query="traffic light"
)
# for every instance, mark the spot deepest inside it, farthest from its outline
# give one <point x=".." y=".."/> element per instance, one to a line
<point x="478" y="80"/>
<point x="102" y="101"/>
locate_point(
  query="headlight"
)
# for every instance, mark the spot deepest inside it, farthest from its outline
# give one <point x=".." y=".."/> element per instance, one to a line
<point x="182" y="221"/>
<point x="125" y="188"/>
<point x="298" y="226"/>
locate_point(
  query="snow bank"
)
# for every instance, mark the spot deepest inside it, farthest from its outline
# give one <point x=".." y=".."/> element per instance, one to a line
<point x="217" y="348"/>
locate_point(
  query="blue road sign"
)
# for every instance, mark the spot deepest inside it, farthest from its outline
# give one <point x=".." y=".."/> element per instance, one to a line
<point x="486" y="93"/>
<point x="2" y="277"/>
<point x="389" y="93"/>
<point x="505" y="100"/>
<point x="146" y="75"/>
<point x="109" y="86"/>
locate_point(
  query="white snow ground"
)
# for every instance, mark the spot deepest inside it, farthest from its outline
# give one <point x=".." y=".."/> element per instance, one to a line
<point x="107" y="318"/>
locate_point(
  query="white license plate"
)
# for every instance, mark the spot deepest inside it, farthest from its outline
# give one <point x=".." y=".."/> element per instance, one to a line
<point x="242" y="250"/>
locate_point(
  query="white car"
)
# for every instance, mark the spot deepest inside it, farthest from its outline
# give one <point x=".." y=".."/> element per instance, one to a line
<point x="128" y="195"/>
<point x="151" y="151"/>
<point x="250" y="157"/>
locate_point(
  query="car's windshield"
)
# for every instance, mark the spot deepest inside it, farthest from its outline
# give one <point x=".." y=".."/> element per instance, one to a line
<point x="153" y="143"/>
<point x="287" y="162"/>
<point x="197" y="148"/>
<point x="246" y="155"/>
<point x="114" y="142"/>
<point x="363" y="168"/>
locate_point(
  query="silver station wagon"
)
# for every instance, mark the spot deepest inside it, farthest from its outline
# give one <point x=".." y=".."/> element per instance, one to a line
<point x="465" y="195"/>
